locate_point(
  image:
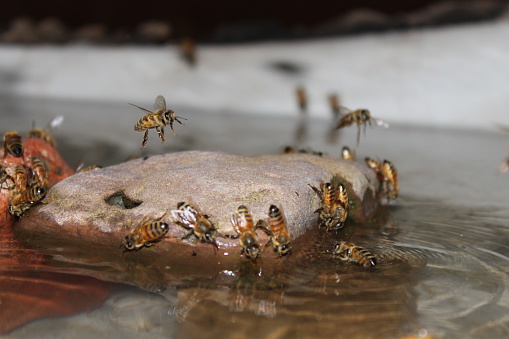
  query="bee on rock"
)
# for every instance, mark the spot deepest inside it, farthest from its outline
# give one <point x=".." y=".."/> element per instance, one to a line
<point x="147" y="233"/>
<point x="333" y="209"/>
<point x="13" y="144"/>
<point x="157" y="119"/>
<point x="350" y="252"/>
<point x="39" y="171"/>
<point x="199" y="224"/>
<point x="277" y="230"/>
<point x="242" y="222"/>
<point x="23" y="200"/>
<point x="358" y="117"/>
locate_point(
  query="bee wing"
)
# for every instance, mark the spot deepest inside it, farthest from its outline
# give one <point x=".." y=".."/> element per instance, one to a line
<point x="344" y="110"/>
<point x="184" y="216"/>
<point x="143" y="109"/>
<point x="380" y="122"/>
<point x="160" y="103"/>
<point x="55" y="122"/>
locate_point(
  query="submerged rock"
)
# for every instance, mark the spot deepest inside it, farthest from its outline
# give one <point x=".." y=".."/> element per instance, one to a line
<point x="102" y="206"/>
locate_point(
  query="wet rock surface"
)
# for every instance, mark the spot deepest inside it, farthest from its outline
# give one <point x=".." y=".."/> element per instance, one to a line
<point x="102" y="206"/>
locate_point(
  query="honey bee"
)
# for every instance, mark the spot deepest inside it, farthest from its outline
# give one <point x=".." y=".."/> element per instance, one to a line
<point x="4" y="177"/>
<point x="278" y="232"/>
<point x="39" y="171"/>
<point x="199" y="224"/>
<point x="242" y="222"/>
<point x="350" y="252"/>
<point x="43" y="133"/>
<point x="20" y="178"/>
<point x="376" y="167"/>
<point x="334" y="104"/>
<point x="147" y="233"/>
<point x="82" y="169"/>
<point x="358" y="117"/>
<point x="23" y="200"/>
<point x="333" y="209"/>
<point x="188" y="51"/>
<point x="302" y="98"/>
<point x="13" y="144"/>
<point x="390" y="175"/>
<point x="157" y="119"/>
<point x="347" y="154"/>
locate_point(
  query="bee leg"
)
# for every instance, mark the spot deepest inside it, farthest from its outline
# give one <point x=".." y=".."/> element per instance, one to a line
<point x="160" y="131"/>
<point x="358" y="135"/>
<point x="145" y="139"/>
<point x="171" y="126"/>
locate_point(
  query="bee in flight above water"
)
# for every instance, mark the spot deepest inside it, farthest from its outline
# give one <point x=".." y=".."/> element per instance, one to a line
<point x="347" y="154"/>
<point x="302" y="99"/>
<point x="347" y="251"/>
<point x="44" y="133"/>
<point x="147" y="233"/>
<point x="277" y="230"/>
<point x="13" y="144"/>
<point x="243" y="225"/>
<point x="333" y="209"/>
<point x="160" y="117"/>
<point x="199" y="224"/>
<point x="360" y="117"/>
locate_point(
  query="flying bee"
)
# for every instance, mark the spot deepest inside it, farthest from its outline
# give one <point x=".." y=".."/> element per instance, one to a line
<point x="348" y="251"/>
<point x="242" y="222"/>
<point x="302" y="98"/>
<point x="278" y="232"/>
<point x="147" y="233"/>
<point x="199" y="224"/>
<point x="157" y="119"/>
<point x="390" y="184"/>
<point x="39" y="171"/>
<point x="188" y="51"/>
<point x="13" y="144"/>
<point x="358" y="117"/>
<point x="333" y="209"/>
<point x="20" y="178"/>
<point x="43" y="133"/>
<point x="347" y="154"/>
<point x="334" y="104"/>
<point x="23" y="200"/>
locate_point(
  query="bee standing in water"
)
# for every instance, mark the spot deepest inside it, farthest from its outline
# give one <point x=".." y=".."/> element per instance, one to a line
<point x="22" y="201"/>
<point x="350" y="252"/>
<point x="13" y="144"/>
<point x="347" y="154"/>
<point x="157" y="119"/>
<point x="333" y="209"/>
<point x="43" y="133"/>
<point x="278" y="232"/>
<point x="358" y="117"/>
<point x="242" y="222"/>
<point x="302" y="99"/>
<point x="147" y="233"/>
<point x="199" y="224"/>
<point x="390" y="184"/>
<point x="39" y="171"/>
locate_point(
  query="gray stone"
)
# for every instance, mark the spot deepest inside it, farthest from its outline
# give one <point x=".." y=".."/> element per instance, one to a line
<point x="107" y="203"/>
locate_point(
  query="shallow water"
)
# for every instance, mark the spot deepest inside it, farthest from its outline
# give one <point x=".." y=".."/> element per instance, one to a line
<point x="442" y="250"/>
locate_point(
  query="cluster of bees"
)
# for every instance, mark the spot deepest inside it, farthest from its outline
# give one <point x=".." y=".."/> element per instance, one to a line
<point x="332" y="213"/>
<point x="28" y="183"/>
<point x="201" y="227"/>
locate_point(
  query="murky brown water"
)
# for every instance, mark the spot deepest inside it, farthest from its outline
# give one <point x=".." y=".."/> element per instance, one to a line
<point x="442" y="250"/>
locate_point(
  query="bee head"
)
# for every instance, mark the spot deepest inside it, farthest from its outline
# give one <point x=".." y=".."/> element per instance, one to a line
<point x="128" y="243"/>
<point x="365" y="114"/>
<point x="179" y="205"/>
